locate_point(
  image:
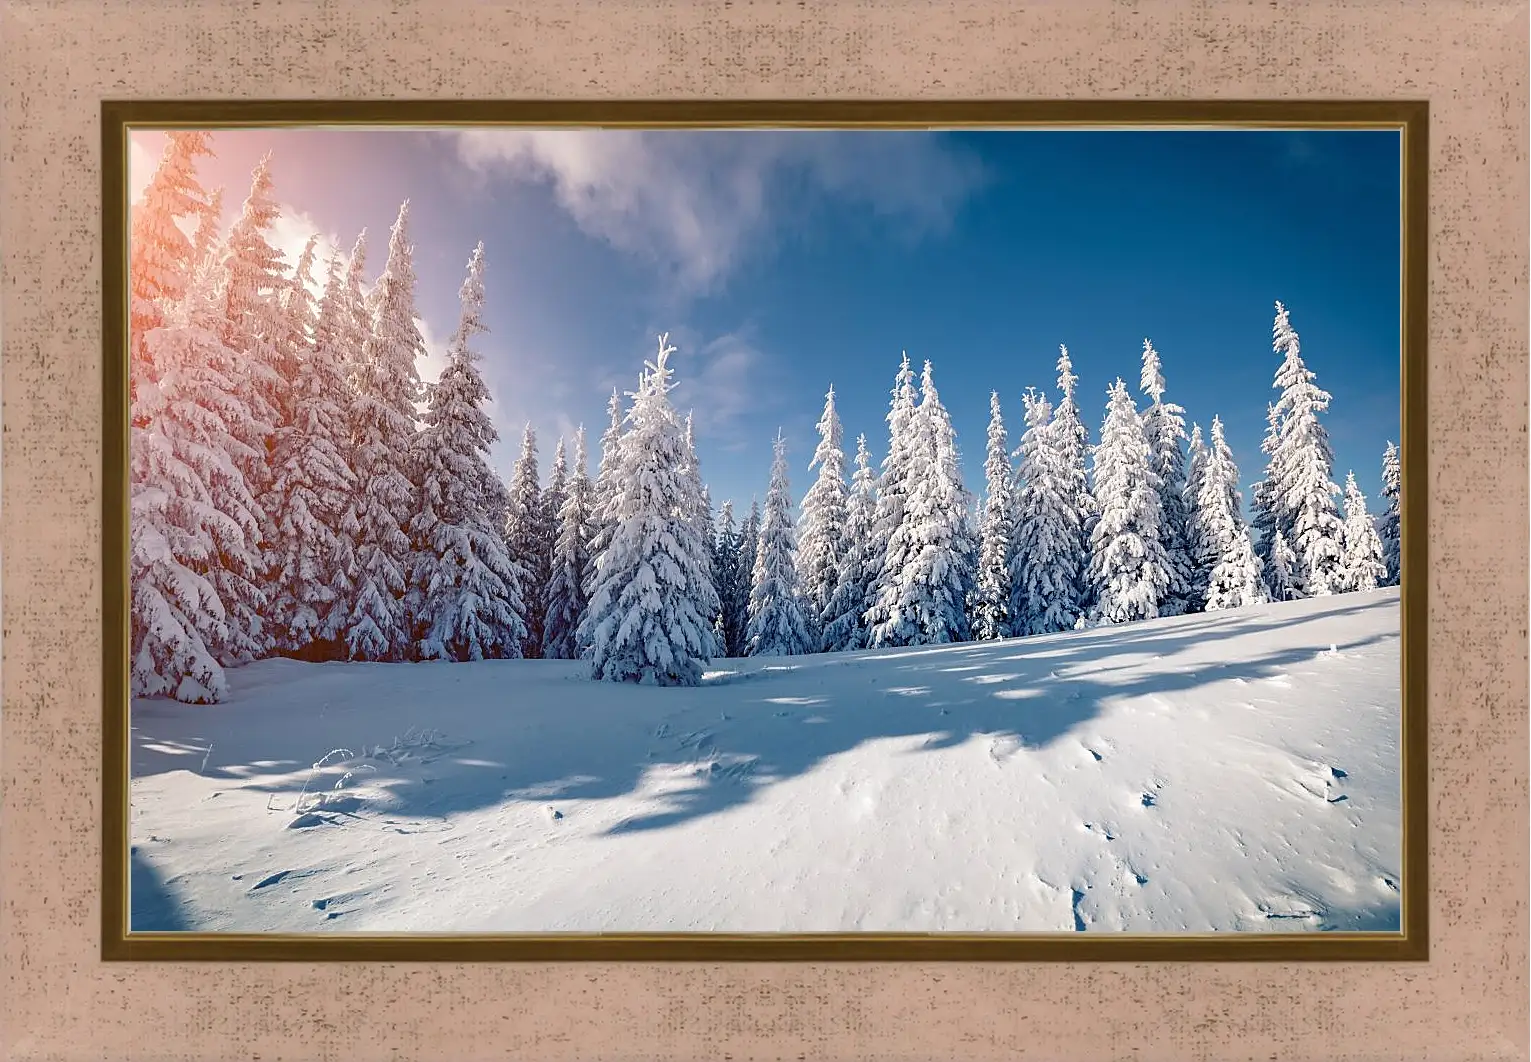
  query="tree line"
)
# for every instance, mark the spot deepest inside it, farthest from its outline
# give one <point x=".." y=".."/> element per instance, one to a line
<point x="297" y="490"/>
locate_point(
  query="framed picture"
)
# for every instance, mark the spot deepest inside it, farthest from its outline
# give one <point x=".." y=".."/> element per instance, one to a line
<point x="840" y="531"/>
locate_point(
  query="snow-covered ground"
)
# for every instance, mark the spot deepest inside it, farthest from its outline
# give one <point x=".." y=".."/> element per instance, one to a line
<point x="1233" y="771"/>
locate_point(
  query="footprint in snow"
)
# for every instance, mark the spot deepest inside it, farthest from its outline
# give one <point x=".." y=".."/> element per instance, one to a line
<point x="1002" y="748"/>
<point x="1102" y="830"/>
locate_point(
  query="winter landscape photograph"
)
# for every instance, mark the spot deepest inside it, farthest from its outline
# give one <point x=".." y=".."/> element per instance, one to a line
<point x="569" y="531"/>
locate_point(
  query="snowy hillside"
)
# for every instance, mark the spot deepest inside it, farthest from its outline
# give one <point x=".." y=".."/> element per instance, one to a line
<point x="1226" y="771"/>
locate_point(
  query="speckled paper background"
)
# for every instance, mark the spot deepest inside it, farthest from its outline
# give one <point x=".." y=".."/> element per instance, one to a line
<point x="57" y="1001"/>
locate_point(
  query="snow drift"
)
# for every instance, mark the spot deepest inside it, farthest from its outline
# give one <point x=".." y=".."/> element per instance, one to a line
<point x="1234" y="771"/>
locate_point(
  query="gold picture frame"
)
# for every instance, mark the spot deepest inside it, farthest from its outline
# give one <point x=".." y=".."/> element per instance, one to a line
<point x="1411" y="118"/>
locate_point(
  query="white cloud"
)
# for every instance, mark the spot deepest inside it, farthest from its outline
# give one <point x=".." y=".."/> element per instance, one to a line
<point x="565" y="428"/>
<point x="435" y="358"/>
<point x="692" y="201"/>
<point x="289" y="234"/>
<point x="719" y="381"/>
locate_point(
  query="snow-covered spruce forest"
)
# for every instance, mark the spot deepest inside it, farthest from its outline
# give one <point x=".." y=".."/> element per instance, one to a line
<point x="297" y="491"/>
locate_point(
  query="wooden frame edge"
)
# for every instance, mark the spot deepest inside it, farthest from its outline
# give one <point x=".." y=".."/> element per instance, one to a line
<point x="1411" y="944"/>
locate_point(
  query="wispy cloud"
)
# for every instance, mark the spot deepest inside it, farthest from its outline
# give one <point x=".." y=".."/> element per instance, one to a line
<point x="435" y="358"/>
<point x="720" y="380"/>
<point x="290" y="233"/>
<point x="694" y="202"/>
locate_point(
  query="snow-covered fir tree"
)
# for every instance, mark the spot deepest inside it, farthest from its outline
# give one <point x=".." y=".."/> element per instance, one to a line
<point x="1218" y="505"/>
<point x="1362" y="566"/>
<point x="466" y="588"/>
<point x="732" y="580"/>
<point x="1300" y="492"/>
<point x="162" y="260"/>
<point x="1234" y="574"/>
<point x="204" y="241"/>
<point x="1128" y="566"/>
<point x="749" y="545"/>
<point x="313" y="481"/>
<point x="821" y="534"/>
<point x="922" y="593"/>
<point x="846" y="627"/>
<point x="601" y="493"/>
<point x="1196" y="599"/>
<point x="969" y="548"/>
<point x="572" y="567"/>
<point x="388" y="389"/>
<point x="297" y="317"/>
<point x="653" y="591"/>
<point x="991" y="607"/>
<point x="358" y="317"/>
<point x="252" y="281"/>
<point x="1389" y="524"/>
<point x="550" y="506"/>
<point x="709" y="517"/>
<point x="350" y="330"/>
<point x="707" y="525"/>
<point x="299" y="311"/>
<point x="525" y="537"/>
<point x="699" y="500"/>
<point x="1048" y="565"/>
<point x="254" y="284"/>
<point x="1196" y="464"/>
<point x="1164" y="425"/>
<point x="191" y="511"/>
<point x="696" y="490"/>
<point x="893" y="484"/>
<point x="1237" y="580"/>
<point x="777" y="625"/>
<point x="1072" y="440"/>
<point x="1281" y="570"/>
<point x="1265" y="505"/>
<point x="721" y="555"/>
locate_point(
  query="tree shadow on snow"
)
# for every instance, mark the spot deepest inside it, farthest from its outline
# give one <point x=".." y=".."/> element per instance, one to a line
<point x="947" y="704"/>
<point x="152" y="907"/>
<point x="689" y="753"/>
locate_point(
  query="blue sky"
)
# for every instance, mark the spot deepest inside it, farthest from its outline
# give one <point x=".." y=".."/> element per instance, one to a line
<point x="781" y="262"/>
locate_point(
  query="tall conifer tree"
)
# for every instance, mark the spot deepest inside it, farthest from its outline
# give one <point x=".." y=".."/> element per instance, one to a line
<point x="821" y="534"/>
<point x="778" y="626"/>
<point x="992" y="617"/>
<point x="1164" y="425"/>
<point x="467" y="590"/>
<point x="387" y="393"/>
<point x="1389" y="524"/>
<point x="1128" y="565"/>
<point x="526" y="538"/>
<point x="650" y="612"/>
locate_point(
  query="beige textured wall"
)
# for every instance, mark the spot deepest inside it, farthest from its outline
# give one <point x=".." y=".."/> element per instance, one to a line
<point x="1468" y="58"/>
